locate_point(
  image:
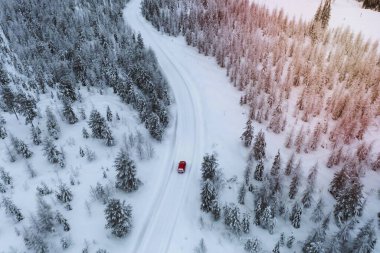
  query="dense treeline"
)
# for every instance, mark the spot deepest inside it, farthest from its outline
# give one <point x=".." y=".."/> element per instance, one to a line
<point x="71" y="44"/>
<point x="333" y="75"/>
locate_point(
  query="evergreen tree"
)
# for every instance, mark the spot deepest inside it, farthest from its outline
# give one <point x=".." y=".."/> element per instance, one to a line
<point x="51" y="152"/>
<point x="293" y="188"/>
<point x="339" y="182"/>
<point x="307" y="197"/>
<point x="315" y="241"/>
<point x="339" y="241"/>
<point x="3" y="131"/>
<point x="295" y="216"/>
<point x="208" y="196"/>
<point x="366" y="239"/>
<point x="247" y="173"/>
<point x="231" y="215"/>
<point x="45" y="217"/>
<point x="289" y="165"/>
<point x="275" y="170"/>
<point x="258" y="175"/>
<point x="12" y="210"/>
<point x="245" y="223"/>
<point x="276" y="248"/>
<point x="117" y="116"/>
<point x="69" y="114"/>
<point x="242" y="193"/>
<point x="252" y="246"/>
<point x="349" y="202"/>
<point x="215" y="210"/>
<point x="258" y="149"/>
<point x="107" y="135"/>
<point x="109" y="114"/>
<point x="247" y="135"/>
<point x="126" y="179"/>
<point x="209" y="167"/>
<point x="35" y="241"/>
<point x="375" y="164"/>
<point x="118" y="217"/>
<point x="36" y="135"/>
<point x="64" y="194"/>
<point x="21" y="148"/>
<point x="67" y="91"/>
<point x="97" y="124"/>
<point x="317" y="214"/>
<point x="4" y="79"/>
<point x="62" y="221"/>
<point x="290" y="241"/>
<point x="52" y="125"/>
<point x="85" y="133"/>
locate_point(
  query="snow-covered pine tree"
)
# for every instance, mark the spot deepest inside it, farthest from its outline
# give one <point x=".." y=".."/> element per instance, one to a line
<point x="315" y="241"/>
<point x="35" y="241"/>
<point x="252" y="246"/>
<point x="12" y="210"/>
<point x="375" y="164"/>
<point x="245" y="223"/>
<point x="318" y="214"/>
<point x="52" y="124"/>
<point x="307" y="196"/>
<point x="109" y="114"/>
<point x="339" y="182"/>
<point x="290" y="241"/>
<point x="258" y="150"/>
<point x="208" y="196"/>
<point x="339" y="240"/>
<point x="3" y="131"/>
<point x="289" y="165"/>
<point x="85" y="133"/>
<point x="36" y="135"/>
<point x="118" y="217"/>
<point x="275" y="170"/>
<point x="51" y="152"/>
<point x="209" y="167"/>
<point x="294" y="184"/>
<point x="247" y="135"/>
<point x="21" y="148"/>
<point x="276" y="248"/>
<point x="107" y="135"/>
<point x="117" y="116"/>
<point x="366" y="239"/>
<point x="45" y="217"/>
<point x="62" y="221"/>
<point x="69" y="114"/>
<point x="349" y="202"/>
<point x="97" y="124"/>
<point x="295" y="216"/>
<point x="126" y="179"/>
<point x="259" y="171"/>
<point x="242" y="193"/>
<point x="201" y="248"/>
<point x="67" y="90"/>
<point x="232" y="221"/>
<point x="64" y="194"/>
<point x="248" y="173"/>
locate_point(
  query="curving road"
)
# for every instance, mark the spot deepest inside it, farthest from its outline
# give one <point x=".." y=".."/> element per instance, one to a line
<point x="160" y="217"/>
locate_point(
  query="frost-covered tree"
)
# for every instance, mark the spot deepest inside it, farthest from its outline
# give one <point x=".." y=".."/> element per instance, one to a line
<point x="258" y="150"/>
<point x="290" y="241"/>
<point x="295" y="216"/>
<point x="35" y="241"/>
<point x="247" y="135"/>
<point x="69" y="114"/>
<point x="3" y="131"/>
<point x="62" y="221"/>
<point x="245" y="223"/>
<point x="315" y="241"/>
<point x="64" y="194"/>
<point x="366" y="239"/>
<point x="275" y="170"/>
<point x="201" y="248"/>
<point x="349" y="202"/>
<point x="339" y="240"/>
<point x="36" y="135"/>
<point x="118" y="217"/>
<point x="232" y="221"/>
<point x="209" y="167"/>
<point x="259" y="171"/>
<point x="21" y="148"/>
<point x="208" y="196"/>
<point x="375" y="164"/>
<point x="109" y="114"/>
<point x="318" y="214"/>
<point x="85" y="133"/>
<point x="276" y="248"/>
<point x="289" y="165"/>
<point x="126" y="179"/>
<point x="52" y="153"/>
<point x="252" y="246"/>
<point x="339" y="182"/>
<point x="242" y="193"/>
<point x="97" y="124"/>
<point x="45" y="217"/>
<point x="12" y="210"/>
<point x="293" y="188"/>
<point x="52" y="124"/>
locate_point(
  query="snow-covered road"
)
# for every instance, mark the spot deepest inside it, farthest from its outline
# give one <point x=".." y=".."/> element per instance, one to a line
<point x="161" y="216"/>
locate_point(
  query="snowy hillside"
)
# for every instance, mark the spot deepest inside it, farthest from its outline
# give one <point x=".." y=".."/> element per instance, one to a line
<point x="277" y="119"/>
<point x="344" y="13"/>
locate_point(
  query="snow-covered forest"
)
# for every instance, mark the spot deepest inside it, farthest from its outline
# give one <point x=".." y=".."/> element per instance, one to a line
<point x="317" y="86"/>
<point x="277" y="117"/>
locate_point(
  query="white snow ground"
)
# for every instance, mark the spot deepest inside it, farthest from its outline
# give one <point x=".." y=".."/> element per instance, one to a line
<point x="343" y="13"/>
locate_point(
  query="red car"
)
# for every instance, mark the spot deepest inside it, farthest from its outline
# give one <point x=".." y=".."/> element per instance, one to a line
<point x="181" y="167"/>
